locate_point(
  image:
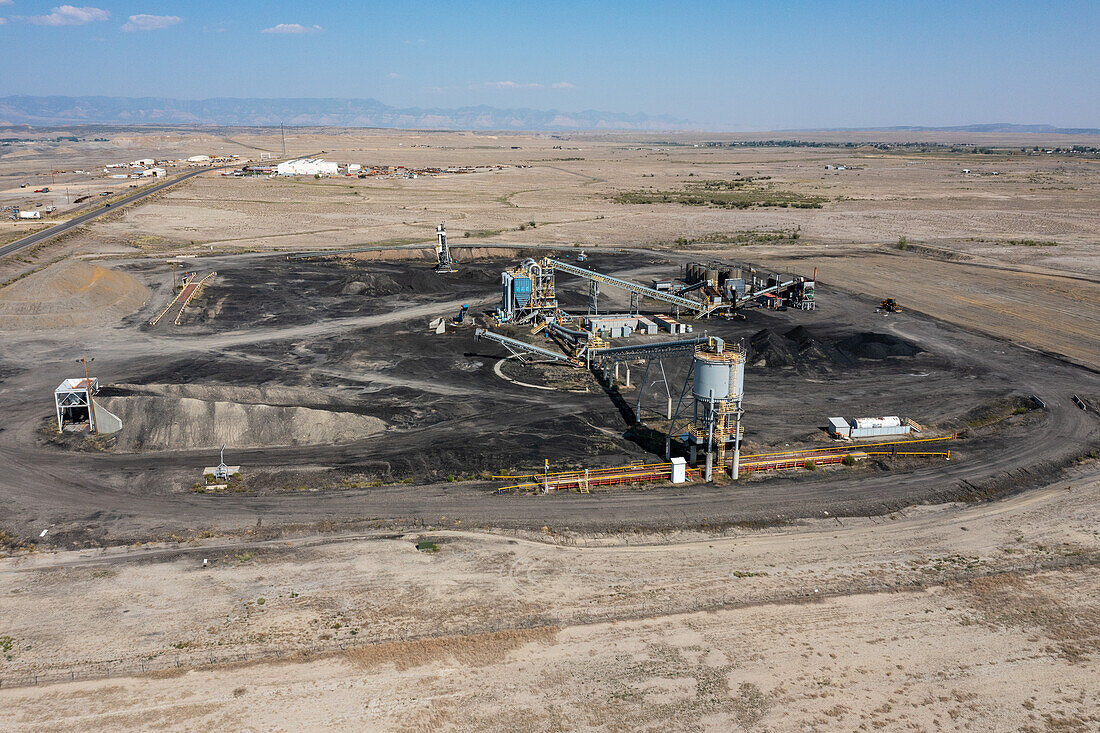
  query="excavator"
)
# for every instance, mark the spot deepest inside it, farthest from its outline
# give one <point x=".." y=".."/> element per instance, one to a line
<point x="888" y="305"/>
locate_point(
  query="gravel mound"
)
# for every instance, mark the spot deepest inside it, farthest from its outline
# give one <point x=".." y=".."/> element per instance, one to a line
<point x="153" y="422"/>
<point x="71" y="293"/>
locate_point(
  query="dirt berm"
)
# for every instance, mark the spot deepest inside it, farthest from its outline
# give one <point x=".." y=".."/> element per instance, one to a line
<point x="153" y="422"/>
<point x="70" y="293"/>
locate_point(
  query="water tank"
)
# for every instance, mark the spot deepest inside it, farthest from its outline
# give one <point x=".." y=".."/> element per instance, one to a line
<point x="521" y="291"/>
<point x="878" y="422"/>
<point x="712" y="275"/>
<point x="718" y="376"/>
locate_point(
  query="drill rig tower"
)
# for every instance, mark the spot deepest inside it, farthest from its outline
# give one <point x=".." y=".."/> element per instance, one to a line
<point x="442" y="252"/>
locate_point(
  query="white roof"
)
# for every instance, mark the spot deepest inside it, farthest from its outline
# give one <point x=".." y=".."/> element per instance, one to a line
<point x="75" y="384"/>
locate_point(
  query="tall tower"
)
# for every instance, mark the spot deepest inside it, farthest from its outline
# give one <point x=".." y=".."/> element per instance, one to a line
<point x="442" y="252"/>
<point x="718" y="387"/>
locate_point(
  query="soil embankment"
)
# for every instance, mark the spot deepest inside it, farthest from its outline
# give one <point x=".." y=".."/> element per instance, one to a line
<point x="70" y="293"/>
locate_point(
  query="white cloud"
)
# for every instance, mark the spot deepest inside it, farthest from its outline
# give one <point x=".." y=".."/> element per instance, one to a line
<point x="5" y="2"/>
<point x="393" y="75"/>
<point x="511" y="85"/>
<point x="150" y="22"/>
<point x="3" y="21"/>
<point x="522" y="85"/>
<point x="69" y="15"/>
<point x="292" y="28"/>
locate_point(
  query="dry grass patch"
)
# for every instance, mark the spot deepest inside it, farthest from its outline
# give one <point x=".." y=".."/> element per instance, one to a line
<point x="476" y="650"/>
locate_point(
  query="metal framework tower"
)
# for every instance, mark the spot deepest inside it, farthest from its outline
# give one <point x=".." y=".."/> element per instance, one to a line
<point x="442" y="252"/>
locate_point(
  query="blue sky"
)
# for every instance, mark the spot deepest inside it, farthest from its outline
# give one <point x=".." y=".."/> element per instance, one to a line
<point x="732" y="65"/>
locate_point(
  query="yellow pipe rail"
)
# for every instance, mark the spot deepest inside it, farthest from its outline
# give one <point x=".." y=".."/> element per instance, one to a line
<point x="192" y="296"/>
<point x="597" y="471"/>
<point x="852" y="447"/>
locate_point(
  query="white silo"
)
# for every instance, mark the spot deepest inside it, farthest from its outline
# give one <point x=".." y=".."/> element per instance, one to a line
<point x="718" y="387"/>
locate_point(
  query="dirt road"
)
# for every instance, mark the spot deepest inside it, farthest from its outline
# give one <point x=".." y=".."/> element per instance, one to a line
<point x="119" y="497"/>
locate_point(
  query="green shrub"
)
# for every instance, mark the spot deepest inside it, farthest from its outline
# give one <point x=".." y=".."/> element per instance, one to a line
<point x="810" y="466"/>
<point x="849" y="460"/>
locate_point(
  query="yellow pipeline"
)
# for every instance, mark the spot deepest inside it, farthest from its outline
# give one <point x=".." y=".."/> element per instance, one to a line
<point x="853" y="447"/>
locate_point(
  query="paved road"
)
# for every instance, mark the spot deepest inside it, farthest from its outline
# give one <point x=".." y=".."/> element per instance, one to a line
<point x="53" y="231"/>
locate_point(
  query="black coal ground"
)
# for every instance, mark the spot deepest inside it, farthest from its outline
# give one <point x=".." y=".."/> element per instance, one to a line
<point x="452" y="416"/>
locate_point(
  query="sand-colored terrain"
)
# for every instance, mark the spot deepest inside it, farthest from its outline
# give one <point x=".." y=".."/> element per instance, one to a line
<point x="1049" y="311"/>
<point x="954" y="618"/>
<point x="71" y="293"/>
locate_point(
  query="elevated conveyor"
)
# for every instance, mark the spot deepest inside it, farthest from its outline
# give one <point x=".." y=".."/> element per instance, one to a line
<point x="517" y="348"/>
<point x="616" y="282"/>
<point x="642" y="351"/>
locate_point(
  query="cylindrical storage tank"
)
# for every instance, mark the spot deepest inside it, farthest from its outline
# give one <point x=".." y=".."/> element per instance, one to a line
<point x="737" y="386"/>
<point x="718" y="376"/>
<point x="693" y="273"/>
<point x="711" y="380"/>
<point x="712" y="275"/>
<point x="723" y="275"/>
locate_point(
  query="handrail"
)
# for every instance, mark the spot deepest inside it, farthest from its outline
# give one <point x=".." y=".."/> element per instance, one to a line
<point x="633" y="287"/>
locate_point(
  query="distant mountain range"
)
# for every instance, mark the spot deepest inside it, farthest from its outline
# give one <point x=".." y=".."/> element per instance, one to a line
<point x="26" y="110"/>
<point x="991" y="127"/>
<point x="43" y="111"/>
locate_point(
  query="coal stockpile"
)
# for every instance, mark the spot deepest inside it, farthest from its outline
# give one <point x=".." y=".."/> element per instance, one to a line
<point x="869" y="345"/>
<point x="799" y="346"/>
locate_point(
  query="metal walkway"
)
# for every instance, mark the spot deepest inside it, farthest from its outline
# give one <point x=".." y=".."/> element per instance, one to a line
<point x="633" y="287"/>
<point x="640" y="351"/>
<point x="520" y="349"/>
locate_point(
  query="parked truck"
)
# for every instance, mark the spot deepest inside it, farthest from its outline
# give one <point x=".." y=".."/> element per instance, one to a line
<point x="30" y="214"/>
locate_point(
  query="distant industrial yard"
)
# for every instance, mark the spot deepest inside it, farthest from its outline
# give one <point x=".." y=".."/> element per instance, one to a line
<point x="671" y="430"/>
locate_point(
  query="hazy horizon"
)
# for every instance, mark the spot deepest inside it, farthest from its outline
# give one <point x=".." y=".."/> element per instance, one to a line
<point x="730" y="66"/>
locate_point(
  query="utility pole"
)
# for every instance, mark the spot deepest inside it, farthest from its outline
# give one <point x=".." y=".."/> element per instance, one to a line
<point x="91" y="400"/>
<point x="283" y="136"/>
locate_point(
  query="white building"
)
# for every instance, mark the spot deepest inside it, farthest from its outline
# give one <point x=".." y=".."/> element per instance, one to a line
<point x="354" y="167"/>
<point x="199" y="159"/>
<point x="143" y="163"/>
<point x="307" y="167"/>
<point x="76" y="405"/>
<point x="155" y="172"/>
<point x="30" y="215"/>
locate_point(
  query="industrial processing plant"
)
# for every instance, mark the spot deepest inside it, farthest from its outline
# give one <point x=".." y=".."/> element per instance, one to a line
<point x="565" y="430"/>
